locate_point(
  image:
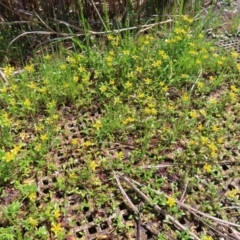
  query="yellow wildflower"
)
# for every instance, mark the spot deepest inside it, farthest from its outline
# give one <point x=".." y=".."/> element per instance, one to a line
<point x="171" y="202"/>
<point x="27" y="102"/>
<point x="207" y="167"/>
<point x="126" y="52"/>
<point x="74" y="141"/>
<point x="30" y="68"/>
<point x="147" y="80"/>
<point x="57" y="214"/>
<point x="43" y="137"/>
<point x="200" y="127"/>
<point x="103" y="88"/>
<point x="47" y="57"/>
<point x="193" y="114"/>
<point x="215" y="128"/>
<point x="234" y="88"/>
<point x="56" y="228"/>
<point x="33" y="221"/>
<point x="165" y="89"/>
<point x="9" y="156"/>
<point x="88" y="143"/>
<point x="128" y="84"/>
<point x="157" y="63"/>
<point x="232" y="193"/>
<point x="63" y="66"/>
<point x="32" y="196"/>
<point x="204" y="140"/>
<point x="93" y="165"/>
<point x="8" y="71"/>
<point x="97" y="124"/>
<point x="234" y="55"/>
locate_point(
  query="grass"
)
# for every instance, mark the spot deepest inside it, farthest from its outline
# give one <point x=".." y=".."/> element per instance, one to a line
<point x="80" y="124"/>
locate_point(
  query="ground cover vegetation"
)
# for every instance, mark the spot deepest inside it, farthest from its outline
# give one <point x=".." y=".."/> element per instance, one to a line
<point x="138" y="118"/>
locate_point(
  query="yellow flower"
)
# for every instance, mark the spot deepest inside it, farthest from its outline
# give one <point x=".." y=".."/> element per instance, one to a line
<point x="74" y="141"/>
<point x="147" y="110"/>
<point x="234" y="54"/>
<point x="171" y="202"/>
<point x="32" y="85"/>
<point x="238" y="66"/>
<point x="57" y="214"/>
<point x="112" y="82"/>
<point x="141" y="95"/>
<point x="32" y="196"/>
<point x="215" y="128"/>
<point x="212" y="100"/>
<point x="97" y="124"/>
<point x="220" y="140"/>
<point x="203" y="112"/>
<point x="47" y="57"/>
<point x="16" y="149"/>
<point x="27" y="102"/>
<point x="232" y="96"/>
<point x="119" y="155"/>
<point x="147" y="80"/>
<point x="188" y="19"/>
<point x="82" y="69"/>
<point x="33" y="221"/>
<point x="43" y="90"/>
<point x="8" y="71"/>
<point x="200" y="127"/>
<point x="103" y="88"/>
<point x="75" y="78"/>
<point x="111" y="53"/>
<point x="207" y="167"/>
<point x="126" y="52"/>
<point x="93" y="165"/>
<point x="139" y="69"/>
<point x="165" y="89"/>
<point x="198" y="61"/>
<point x="193" y="52"/>
<point x="185" y="97"/>
<point x="234" y="88"/>
<point x="204" y="140"/>
<point x="128" y="84"/>
<point x="56" y="228"/>
<point x="9" y="156"/>
<point x="88" y="143"/>
<point x="232" y="193"/>
<point x="153" y="111"/>
<point x="63" y="66"/>
<point x="117" y="100"/>
<point x="200" y="85"/>
<point x="193" y="114"/>
<point x="212" y="146"/>
<point x="157" y="63"/>
<point x="214" y="154"/>
<point x="110" y="37"/>
<point x="43" y="137"/>
<point x="30" y="68"/>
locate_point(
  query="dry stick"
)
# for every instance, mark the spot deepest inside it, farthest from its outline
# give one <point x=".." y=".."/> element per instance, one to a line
<point x="220" y="221"/>
<point x="4" y="77"/>
<point x="156" y="207"/>
<point x="70" y="36"/>
<point x="124" y="194"/>
<point x="43" y="22"/>
<point x="199" y="75"/>
<point x="184" y="164"/>
<point x="99" y="15"/>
